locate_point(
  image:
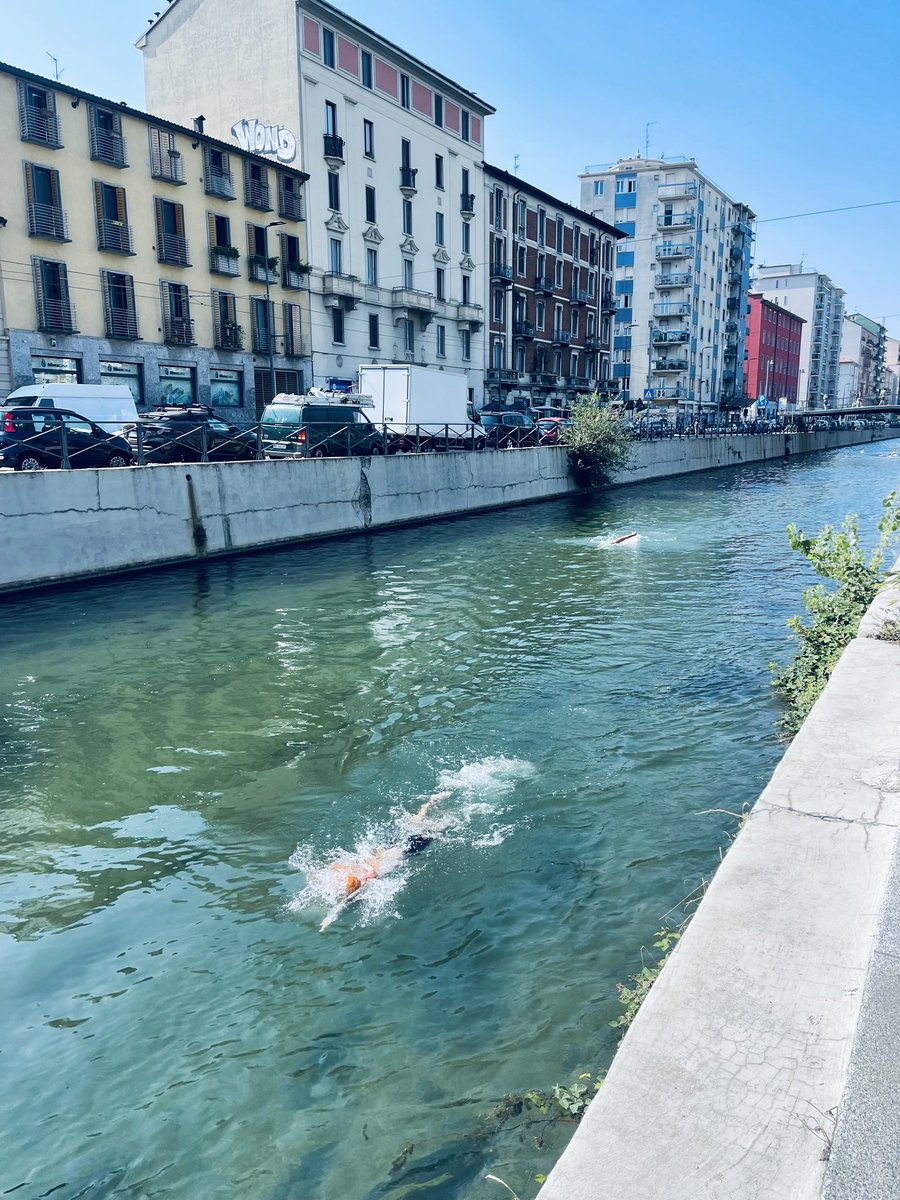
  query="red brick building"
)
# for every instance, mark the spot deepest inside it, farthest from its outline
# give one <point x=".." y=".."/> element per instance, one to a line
<point x="550" y="297"/>
<point x="772" y="366"/>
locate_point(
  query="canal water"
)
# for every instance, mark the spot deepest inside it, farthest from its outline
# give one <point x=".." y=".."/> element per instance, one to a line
<point x="184" y="755"/>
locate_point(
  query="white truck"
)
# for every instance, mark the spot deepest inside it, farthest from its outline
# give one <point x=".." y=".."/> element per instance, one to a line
<point x="421" y="408"/>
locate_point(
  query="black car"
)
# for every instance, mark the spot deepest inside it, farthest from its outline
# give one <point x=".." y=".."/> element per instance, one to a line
<point x="510" y="428"/>
<point x="188" y="434"/>
<point x="32" y="438"/>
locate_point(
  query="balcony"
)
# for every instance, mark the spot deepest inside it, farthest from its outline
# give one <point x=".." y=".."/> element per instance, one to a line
<point x="546" y="379"/>
<point x="293" y="275"/>
<point x="736" y="254"/>
<point x="167" y="165"/>
<point x="55" y="316"/>
<point x="669" y="309"/>
<point x="257" y="195"/>
<point x="672" y="393"/>
<point x="114" y="236"/>
<point x="735" y="277"/>
<point x="173" y="250"/>
<point x="733" y="302"/>
<point x="523" y="329"/>
<point x="741" y="229"/>
<point x="408" y="302"/>
<point x="679" y="279"/>
<point x="561" y="337"/>
<point x="682" y="220"/>
<point x="579" y="296"/>
<point x="220" y="182"/>
<point x="661" y="365"/>
<point x="593" y="343"/>
<point x="471" y="315"/>
<point x="544" y="285"/>
<point x="121" y="324"/>
<point x="677" y="191"/>
<point x="579" y="381"/>
<point x="675" y="250"/>
<point x="501" y="273"/>
<point x="340" y="290"/>
<point x="663" y="337"/>
<point x="608" y="303"/>
<point x="408" y="181"/>
<point x="178" y="331"/>
<point x="229" y="336"/>
<point x="262" y="269"/>
<point x="108" y="146"/>
<point x="223" y="260"/>
<point x="731" y="326"/>
<point x="333" y="149"/>
<point x="48" y="221"/>
<point x="467" y="204"/>
<point x="290" y="205"/>
<point x="38" y="125"/>
<point x="501" y="375"/>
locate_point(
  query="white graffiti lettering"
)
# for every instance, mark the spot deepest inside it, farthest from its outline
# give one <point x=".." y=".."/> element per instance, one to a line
<point x="261" y="137"/>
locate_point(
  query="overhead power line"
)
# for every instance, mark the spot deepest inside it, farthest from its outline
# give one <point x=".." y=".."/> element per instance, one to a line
<point x="821" y="212"/>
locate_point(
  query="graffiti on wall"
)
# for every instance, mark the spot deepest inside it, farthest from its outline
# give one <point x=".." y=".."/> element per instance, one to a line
<point x="261" y="137"/>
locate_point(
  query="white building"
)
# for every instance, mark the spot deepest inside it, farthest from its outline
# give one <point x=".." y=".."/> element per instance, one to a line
<point x="394" y="151"/>
<point x="814" y="297"/>
<point x="863" y="343"/>
<point x="891" y="370"/>
<point x="682" y="282"/>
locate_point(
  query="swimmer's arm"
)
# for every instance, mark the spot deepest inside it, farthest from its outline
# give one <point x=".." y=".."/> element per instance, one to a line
<point x="435" y="799"/>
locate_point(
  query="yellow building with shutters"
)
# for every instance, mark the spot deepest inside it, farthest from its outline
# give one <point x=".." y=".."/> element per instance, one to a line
<point x="134" y="250"/>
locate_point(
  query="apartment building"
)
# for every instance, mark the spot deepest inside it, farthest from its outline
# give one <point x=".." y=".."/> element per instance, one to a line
<point x="550" y="297"/>
<point x="772" y="365"/>
<point x="812" y="296"/>
<point x="862" y="373"/>
<point x="394" y="152"/>
<point x="133" y="250"/>
<point x="891" y="370"/>
<point x="682" y="276"/>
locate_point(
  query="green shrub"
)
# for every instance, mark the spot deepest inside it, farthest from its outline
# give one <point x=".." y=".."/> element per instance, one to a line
<point x="598" y="444"/>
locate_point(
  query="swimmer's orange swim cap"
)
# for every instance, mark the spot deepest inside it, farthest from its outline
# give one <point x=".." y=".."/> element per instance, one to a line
<point x="354" y="883"/>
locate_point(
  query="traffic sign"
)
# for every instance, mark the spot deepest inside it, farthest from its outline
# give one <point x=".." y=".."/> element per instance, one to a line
<point x="761" y="401"/>
<point x="649" y="393"/>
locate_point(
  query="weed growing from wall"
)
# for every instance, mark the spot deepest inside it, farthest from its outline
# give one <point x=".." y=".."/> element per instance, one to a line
<point x="598" y="444"/>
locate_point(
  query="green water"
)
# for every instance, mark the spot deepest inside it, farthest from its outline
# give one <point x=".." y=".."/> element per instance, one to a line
<point x="176" y="747"/>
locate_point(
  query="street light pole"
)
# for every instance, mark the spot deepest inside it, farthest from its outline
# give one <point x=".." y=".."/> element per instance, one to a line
<point x="270" y="332"/>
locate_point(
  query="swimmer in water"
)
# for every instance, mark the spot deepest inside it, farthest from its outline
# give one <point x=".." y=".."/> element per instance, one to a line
<point x="386" y="859"/>
<point x="626" y="538"/>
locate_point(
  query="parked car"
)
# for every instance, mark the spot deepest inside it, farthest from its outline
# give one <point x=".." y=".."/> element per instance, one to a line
<point x="550" y="430"/>
<point x="508" y="429"/>
<point x="292" y="426"/>
<point x="31" y="439"/>
<point x="110" y="405"/>
<point x="179" y="434"/>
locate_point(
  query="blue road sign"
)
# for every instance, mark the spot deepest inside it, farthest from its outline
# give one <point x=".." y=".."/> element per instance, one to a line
<point x="761" y="401"/>
<point x="649" y="393"/>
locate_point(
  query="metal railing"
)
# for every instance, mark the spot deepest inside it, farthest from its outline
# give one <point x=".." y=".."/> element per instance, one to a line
<point x="108" y="146"/>
<point x="256" y="194"/>
<point x="114" y="236"/>
<point x="48" y="221"/>
<point x="219" y="182"/>
<point x="38" y="125"/>
<point x="174" y="249"/>
<point x="333" y="146"/>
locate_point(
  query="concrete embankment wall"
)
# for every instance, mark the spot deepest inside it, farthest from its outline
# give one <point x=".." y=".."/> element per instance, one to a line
<point x="764" y="1062"/>
<point x="58" y="526"/>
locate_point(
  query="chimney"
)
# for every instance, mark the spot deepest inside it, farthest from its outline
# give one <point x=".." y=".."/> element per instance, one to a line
<point x="198" y="123"/>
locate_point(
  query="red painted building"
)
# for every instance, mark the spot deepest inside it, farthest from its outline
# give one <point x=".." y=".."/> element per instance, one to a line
<point x="772" y="366"/>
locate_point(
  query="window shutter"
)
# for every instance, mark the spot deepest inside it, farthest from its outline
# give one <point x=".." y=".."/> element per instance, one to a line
<point x="29" y="183"/>
<point x="121" y="214"/>
<point x="157" y="204"/>
<point x="98" y="200"/>
<point x="211" y="229"/>
<point x="179" y="220"/>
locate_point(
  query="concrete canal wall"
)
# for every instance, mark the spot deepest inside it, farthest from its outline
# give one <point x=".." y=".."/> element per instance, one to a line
<point x="58" y="526"/>
<point x="764" y="1062"/>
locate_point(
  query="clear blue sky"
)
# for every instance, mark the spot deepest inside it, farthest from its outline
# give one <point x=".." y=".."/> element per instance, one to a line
<point x="789" y="105"/>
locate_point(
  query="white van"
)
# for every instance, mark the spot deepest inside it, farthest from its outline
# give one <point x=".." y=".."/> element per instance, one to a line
<point x="111" y="405"/>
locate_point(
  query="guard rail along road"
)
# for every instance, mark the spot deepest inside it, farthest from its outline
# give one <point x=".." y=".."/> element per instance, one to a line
<point x="63" y="525"/>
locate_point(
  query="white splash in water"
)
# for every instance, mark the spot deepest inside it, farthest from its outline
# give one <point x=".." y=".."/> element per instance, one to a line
<point x="616" y="541"/>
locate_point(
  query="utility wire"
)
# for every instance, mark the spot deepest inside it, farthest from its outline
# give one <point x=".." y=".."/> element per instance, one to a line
<point x="824" y="211"/>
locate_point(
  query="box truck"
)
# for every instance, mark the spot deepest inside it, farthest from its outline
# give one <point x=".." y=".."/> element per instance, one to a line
<point x="422" y="407"/>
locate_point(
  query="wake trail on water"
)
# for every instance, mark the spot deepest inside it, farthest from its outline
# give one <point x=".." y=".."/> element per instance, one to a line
<point x="609" y="542"/>
<point x="475" y="814"/>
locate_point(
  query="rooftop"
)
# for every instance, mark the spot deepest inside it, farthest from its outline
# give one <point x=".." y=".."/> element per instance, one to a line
<point x="529" y="188"/>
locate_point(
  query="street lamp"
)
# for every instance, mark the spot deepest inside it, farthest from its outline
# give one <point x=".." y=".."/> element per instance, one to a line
<point x="270" y="332"/>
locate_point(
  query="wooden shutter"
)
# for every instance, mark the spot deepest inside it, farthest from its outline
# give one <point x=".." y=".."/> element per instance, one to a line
<point x="157" y="205"/>
<point x="29" y="183"/>
<point x="121" y="211"/>
<point x="179" y="219"/>
<point x="211" y="230"/>
<point x="98" y="200"/>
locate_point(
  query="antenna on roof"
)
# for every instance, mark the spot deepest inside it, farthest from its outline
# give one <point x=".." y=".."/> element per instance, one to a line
<point x="515" y="164"/>
<point x="56" y="71"/>
<point x="647" y="138"/>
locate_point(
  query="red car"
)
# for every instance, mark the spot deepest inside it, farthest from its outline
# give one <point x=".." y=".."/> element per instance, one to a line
<point x="550" y="430"/>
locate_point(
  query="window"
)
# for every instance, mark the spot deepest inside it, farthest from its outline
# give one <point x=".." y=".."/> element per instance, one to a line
<point x="521" y="256"/>
<point x="165" y="160"/>
<point x="573" y="363"/>
<point x="438" y="110"/>
<point x="576" y="242"/>
<point x="560" y="230"/>
<point x="256" y="186"/>
<point x="539" y="311"/>
<point x="467" y="289"/>
<point x="292" y="319"/>
<point x="575" y="315"/>
<point x="335" y="255"/>
<point x="226" y="387"/>
<point x="626" y="185"/>
<point x="542" y="227"/>
<point x="46" y="216"/>
<point x="337" y="326"/>
<point x="439" y="228"/>
<point x="598" y="187"/>
<point x="107" y="143"/>
<point x="407" y="272"/>
<point x="129" y="374"/>
<point x="290" y="196"/>
<point x="223" y="257"/>
<point x="374" y="332"/>
<point x="330" y="119"/>
<point x="465" y="179"/>
<point x="557" y="319"/>
<point x="542" y="264"/>
<point x="293" y="269"/>
<point x="497" y="354"/>
<point x="440" y="287"/>
<point x="368" y="139"/>
<point x="119" y="312"/>
<point x="171" y="244"/>
<point x="370" y="205"/>
<point x="521" y="211"/>
<point x="407" y="217"/>
<point x="464" y="126"/>
<point x="439" y="171"/>
<point x="328" y="47"/>
<point x="227" y="334"/>
<point x="409" y="337"/>
<point x="47" y="369"/>
<point x="441" y="339"/>
<point x="334" y="191"/>
<point x="262" y="325"/>
<point x="217" y="176"/>
<point x="178" y="328"/>
<point x="371" y="267"/>
<point x="466" y="238"/>
<point x="366" y="69"/>
<point x="37" y="115"/>
<point x="498" y="208"/>
<point x="465" y="341"/>
<point x="113" y="231"/>
<point x="558" y="277"/>
<point x="404" y="91"/>
<point x="498" y="305"/>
